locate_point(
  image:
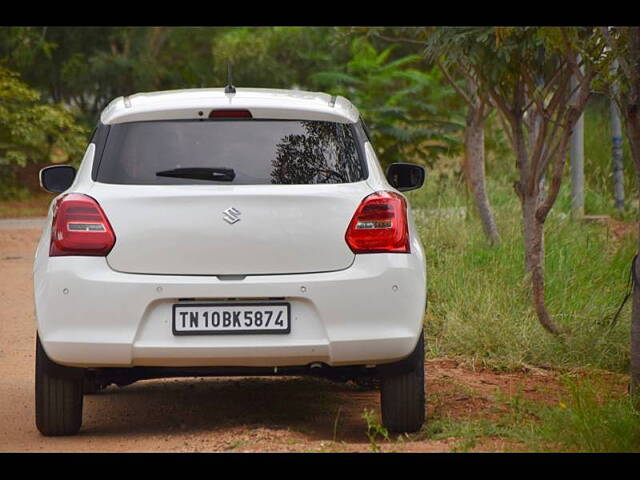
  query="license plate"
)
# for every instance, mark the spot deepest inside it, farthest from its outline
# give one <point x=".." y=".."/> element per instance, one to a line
<point x="231" y="318"/>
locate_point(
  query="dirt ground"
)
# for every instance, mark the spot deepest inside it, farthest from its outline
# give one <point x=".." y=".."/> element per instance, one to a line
<point x="232" y="415"/>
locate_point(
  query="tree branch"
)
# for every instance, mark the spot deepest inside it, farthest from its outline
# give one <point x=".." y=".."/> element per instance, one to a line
<point x="395" y="39"/>
<point x="621" y="59"/>
<point x="574" y="113"/>
<point x="452" y="82"/>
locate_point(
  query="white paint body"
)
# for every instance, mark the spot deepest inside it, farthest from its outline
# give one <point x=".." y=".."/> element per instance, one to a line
<point x="172" y="243"/>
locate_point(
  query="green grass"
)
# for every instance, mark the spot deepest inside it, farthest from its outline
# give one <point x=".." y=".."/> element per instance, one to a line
<point x="478" y="299"/>
<point x="585" y="422"/>
<point x="468" y="433"/>
<point x="479" y="309"/>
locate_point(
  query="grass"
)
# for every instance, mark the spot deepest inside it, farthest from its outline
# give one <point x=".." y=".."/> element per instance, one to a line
<point x="478" y="298"/>
<point x="587" y="419"/>
<point x="586" y="422"/>
<point x="479" y="306"/>
<point x="583" y="411"/>
<point x="467" y="433"/>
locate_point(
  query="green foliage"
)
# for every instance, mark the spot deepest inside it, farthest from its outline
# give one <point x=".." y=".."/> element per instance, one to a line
<point x="586" y="422"/>
<point x="623" y="44"/>
<point x="501" y="55"/>
<point x="374" y="429"/>
<point x="276" y="57"/>
<point x="88" y="66"/>
<point x="588" y="418"/>
<point x="411" y="113"/>
<point x="467" y="432"/>
<point x="479" y="303"/>
<point x="32" y="132"/>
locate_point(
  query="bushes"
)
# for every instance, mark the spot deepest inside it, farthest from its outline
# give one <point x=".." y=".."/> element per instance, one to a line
<point x="32" y="132"/>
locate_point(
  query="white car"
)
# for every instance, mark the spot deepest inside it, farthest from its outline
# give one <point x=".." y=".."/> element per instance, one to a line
<point x="229" y="232"/>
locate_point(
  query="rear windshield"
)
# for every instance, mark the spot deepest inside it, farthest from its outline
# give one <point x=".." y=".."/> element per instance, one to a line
<point x="257" y="152"/>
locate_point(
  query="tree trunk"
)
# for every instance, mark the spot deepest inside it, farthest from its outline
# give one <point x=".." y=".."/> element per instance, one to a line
<point x="634" y="368"/>
<point x="532" y="230"/>
<point x="633" y="132"/>
<point x="475" y="172"/>
<point x="616" y="145"/>
<point x="577" y="160"/>
<point x="534" y="261"/>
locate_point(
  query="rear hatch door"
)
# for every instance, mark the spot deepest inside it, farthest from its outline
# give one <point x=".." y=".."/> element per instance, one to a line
<point x="295" y="187"/>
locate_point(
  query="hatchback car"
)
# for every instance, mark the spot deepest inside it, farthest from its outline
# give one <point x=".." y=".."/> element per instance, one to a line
<point x="210" y="233"/>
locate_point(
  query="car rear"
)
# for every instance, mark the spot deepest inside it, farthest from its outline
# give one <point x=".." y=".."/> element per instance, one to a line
<point x="235" y="238"/>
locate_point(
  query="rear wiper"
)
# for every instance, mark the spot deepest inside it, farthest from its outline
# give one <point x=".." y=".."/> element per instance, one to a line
<point x="219" y="174"/>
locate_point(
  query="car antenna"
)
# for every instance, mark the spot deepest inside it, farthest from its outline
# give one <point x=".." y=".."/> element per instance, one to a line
<point x="229" y="88"/>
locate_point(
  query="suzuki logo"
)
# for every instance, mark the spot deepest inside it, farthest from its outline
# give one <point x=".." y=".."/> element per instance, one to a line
<point x="231" y="215"/>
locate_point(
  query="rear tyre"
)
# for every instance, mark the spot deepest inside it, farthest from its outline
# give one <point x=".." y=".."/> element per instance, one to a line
<point x="402" y="396"/>
<point x="58" y="396"/>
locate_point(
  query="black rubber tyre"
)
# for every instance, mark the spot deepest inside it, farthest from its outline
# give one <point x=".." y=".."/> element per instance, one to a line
<point x="402" y="396"/>
<point x="58" y="396"/>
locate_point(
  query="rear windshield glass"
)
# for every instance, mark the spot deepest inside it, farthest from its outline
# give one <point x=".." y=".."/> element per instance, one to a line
<point x="254" y="151"/>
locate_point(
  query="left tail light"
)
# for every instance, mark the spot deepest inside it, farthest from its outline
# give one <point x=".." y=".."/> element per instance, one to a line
<point x="80" y="227"/>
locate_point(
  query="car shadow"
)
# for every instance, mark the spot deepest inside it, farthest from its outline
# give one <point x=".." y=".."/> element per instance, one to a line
<point x="317" y="408"/>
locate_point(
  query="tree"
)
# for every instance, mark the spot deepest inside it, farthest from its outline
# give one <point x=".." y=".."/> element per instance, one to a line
<point x="478" y="109"/>
<point x="624" y="47"/>
<point x="31" y="131"/>
<point x="527" y="72"/>
<point x="616" y="145"/>
<point x="407" y="109"/>
<point x="86" y="67"/>
<point x="278" y="57"/>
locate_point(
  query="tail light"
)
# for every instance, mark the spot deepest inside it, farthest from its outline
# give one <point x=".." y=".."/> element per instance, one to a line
<point x="80" y="227"/>
<point x="379" y="225"/>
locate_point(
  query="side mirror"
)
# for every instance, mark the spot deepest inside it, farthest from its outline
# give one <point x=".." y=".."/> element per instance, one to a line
<point x="57" y="178"/>
<point x="405" y="176"/>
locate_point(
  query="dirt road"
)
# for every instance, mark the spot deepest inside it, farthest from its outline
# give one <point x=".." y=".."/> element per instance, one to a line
<point x="256" y="414"/>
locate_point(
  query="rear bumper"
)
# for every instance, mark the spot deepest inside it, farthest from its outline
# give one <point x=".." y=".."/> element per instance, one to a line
<point x="89" y="315"/>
